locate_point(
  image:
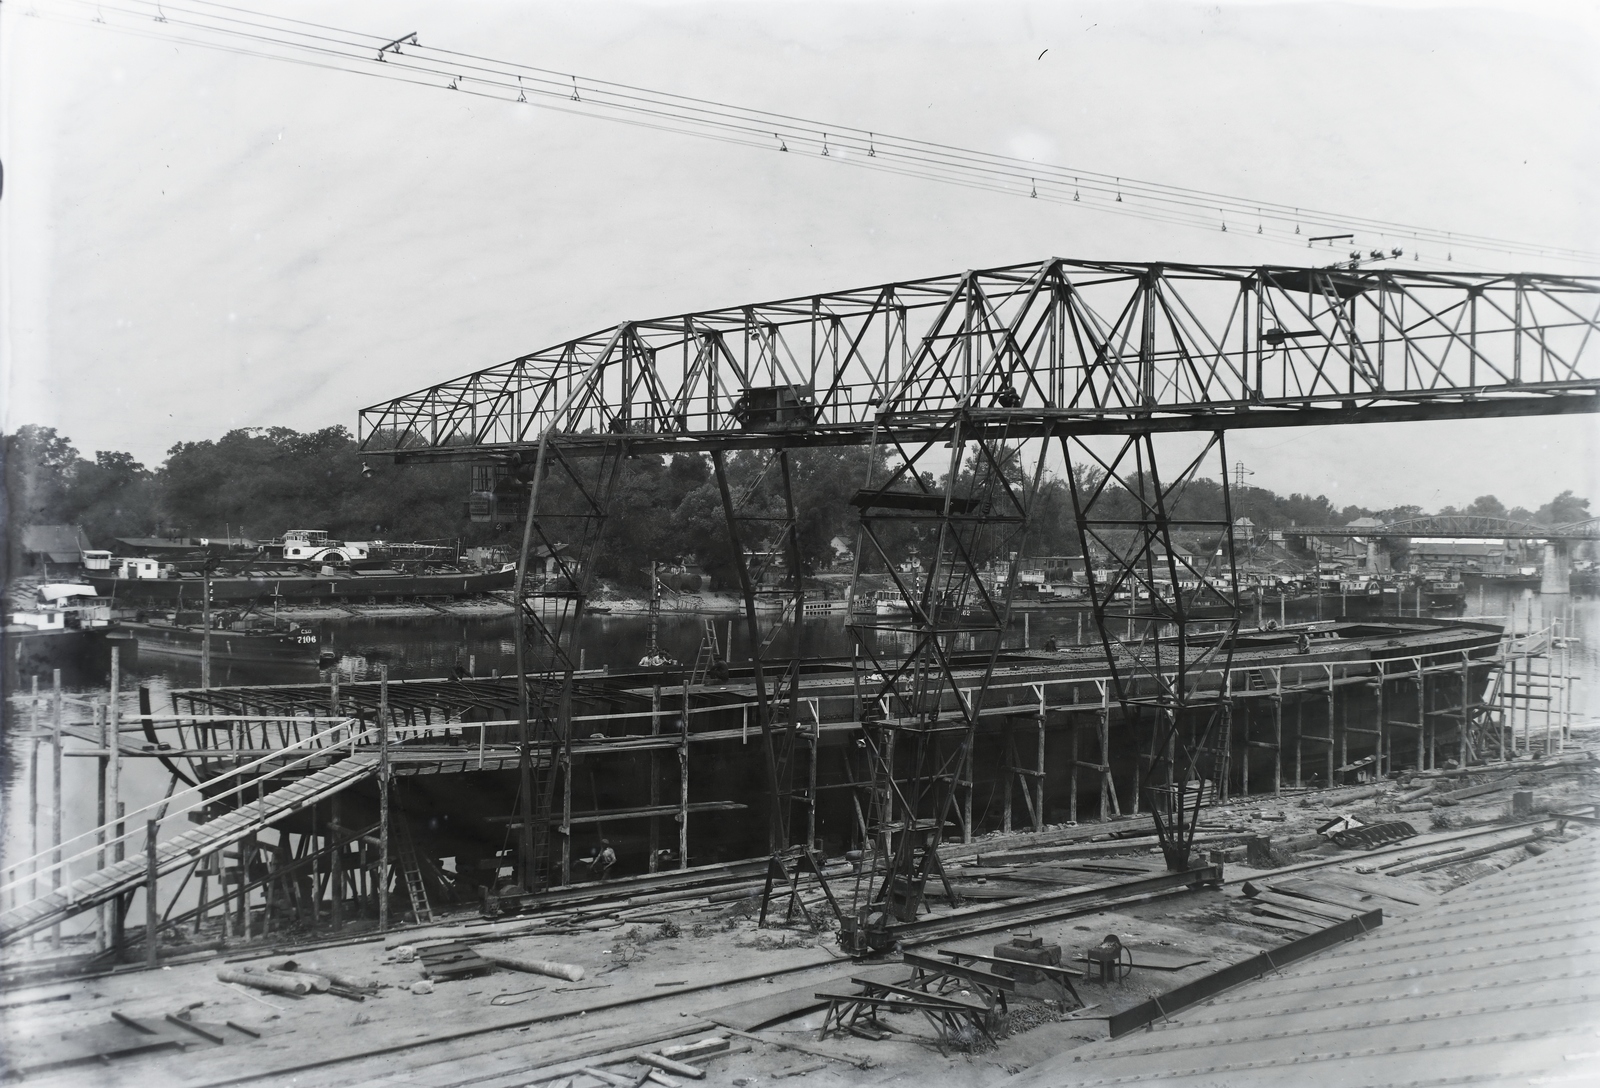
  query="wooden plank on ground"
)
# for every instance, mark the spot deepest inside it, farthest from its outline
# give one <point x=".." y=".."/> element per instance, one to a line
<point x="97" y="1043"/>
<point x="1048" y="874"/>
<point x="1333" y="913"/>
<point x="700" y="1048"/>
<point x="773" y="1008"/>
<point x="1120" y="865"/>
<point x="994" y="890"/>
<point x="1292" y="915"/>
<point x="1337" y="895"/>
<point x="1274" y="919"/>
<point x="1396" y="888"/>
<point x="1323" y="891"/>
<point x="682" y="1069"/>
<point x="1165" y="959"/>
<point x="451" y="960"/>
<point x="804" y="1048"/>
<point x="1479" y="791"/>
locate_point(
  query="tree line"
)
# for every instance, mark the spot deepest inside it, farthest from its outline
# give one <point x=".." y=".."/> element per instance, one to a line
<point x="257" y="482"/>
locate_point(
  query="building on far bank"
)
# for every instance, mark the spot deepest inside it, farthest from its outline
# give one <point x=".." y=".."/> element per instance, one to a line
<point x="53" y="548"/>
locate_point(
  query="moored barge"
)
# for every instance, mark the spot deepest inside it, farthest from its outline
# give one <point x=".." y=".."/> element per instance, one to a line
<point x="187" y="589"/>
<point x="245" y="640"/>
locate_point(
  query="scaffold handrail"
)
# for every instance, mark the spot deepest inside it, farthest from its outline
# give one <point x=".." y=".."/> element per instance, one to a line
<point x="998" y="685"/>
<point x="129" y="821"/>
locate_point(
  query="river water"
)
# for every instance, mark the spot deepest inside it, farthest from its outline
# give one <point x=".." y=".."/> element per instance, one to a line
<point x="433" y="646"/>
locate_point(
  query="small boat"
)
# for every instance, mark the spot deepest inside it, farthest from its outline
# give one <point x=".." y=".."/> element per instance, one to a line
<point x="1444" y="590"/>
<point x="236" y="638"/>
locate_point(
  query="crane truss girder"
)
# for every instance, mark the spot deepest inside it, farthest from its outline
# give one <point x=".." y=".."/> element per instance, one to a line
<point x="1081" y="347"/>
<point x="1456" y="527"/>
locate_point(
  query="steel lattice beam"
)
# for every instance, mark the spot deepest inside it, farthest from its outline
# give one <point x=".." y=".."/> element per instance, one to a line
<point x="1086" y="347"/>
<point x="1457" y="526"/>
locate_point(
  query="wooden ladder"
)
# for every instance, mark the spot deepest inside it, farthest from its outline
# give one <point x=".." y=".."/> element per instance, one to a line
<point x="707" y="655"/>
<point x="411" y="870"/>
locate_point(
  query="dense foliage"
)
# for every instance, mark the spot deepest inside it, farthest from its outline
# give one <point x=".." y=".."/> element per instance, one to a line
<point x="249" y="483"/>
<point x="257" y="482"/>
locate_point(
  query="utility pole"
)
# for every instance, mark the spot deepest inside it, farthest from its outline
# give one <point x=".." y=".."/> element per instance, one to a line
<point x="114" y="738"/>
<point x="652" y="649"/>
<point x="205" y="635"/>
<point x="101" y="815"/>
<point x="1239" y="473"/>
<point x="383" y="798"/>
<point x="55" y="800"/>
<point x="152" y="912"/>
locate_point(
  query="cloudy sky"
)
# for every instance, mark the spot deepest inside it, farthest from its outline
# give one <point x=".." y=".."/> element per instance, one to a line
<point x="193" y="240"/>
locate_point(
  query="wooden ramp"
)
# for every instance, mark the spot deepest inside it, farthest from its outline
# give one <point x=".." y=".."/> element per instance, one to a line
<point x="175" y="853"/>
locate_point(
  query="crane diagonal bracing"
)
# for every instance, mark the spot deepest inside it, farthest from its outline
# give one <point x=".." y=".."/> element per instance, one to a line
<point x="1085" y="346"/>
<point x="984" y="360"/>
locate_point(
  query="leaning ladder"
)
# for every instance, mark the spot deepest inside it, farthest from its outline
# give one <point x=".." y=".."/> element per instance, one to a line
<point x="411" y="869"/>
<point x="707" y="655"/>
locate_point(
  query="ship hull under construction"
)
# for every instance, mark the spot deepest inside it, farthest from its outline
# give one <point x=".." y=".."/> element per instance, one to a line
<point x="1329" y="703"/>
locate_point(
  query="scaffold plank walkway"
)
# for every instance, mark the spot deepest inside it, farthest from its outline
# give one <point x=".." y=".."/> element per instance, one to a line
<point x="172" y="854"/>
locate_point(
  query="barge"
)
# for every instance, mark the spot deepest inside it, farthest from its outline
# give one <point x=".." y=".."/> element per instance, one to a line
<point x="187" y="589"/>
<point x="244" y="640"/>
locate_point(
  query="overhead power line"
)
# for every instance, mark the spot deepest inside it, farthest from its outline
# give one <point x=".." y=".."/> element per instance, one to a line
<point x="249" y="32"/>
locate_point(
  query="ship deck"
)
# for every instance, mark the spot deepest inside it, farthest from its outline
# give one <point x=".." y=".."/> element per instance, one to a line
<point x="456" y="726"/>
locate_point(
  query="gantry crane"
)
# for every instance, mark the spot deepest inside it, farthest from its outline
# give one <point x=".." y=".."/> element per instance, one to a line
<point x="974" y="375"/>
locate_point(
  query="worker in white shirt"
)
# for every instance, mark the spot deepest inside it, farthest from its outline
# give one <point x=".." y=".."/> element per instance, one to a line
<point x="602" y="860"/>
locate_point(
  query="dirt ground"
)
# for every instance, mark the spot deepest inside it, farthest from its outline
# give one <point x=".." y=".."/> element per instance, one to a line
<point x="650" y="983"/>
